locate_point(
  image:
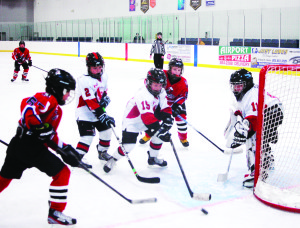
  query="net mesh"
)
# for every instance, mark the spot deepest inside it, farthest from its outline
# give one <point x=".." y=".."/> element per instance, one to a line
<point x="278" y="175"/>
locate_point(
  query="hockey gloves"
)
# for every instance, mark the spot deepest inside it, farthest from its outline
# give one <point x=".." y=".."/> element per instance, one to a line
<point x="164" y="135"/>
<point x="20" y="60"/>
<point x="107" y="120"/>
<point x="43" y="132"/>
<point x="176" y="109"/>
<point x="70" y="156"/>
<point x="30" y="63"/>
<point x="167" y="123"/>
<point x="105" y="100"/>
<point x="163" y="132"/>
<point x="241" y="132"/>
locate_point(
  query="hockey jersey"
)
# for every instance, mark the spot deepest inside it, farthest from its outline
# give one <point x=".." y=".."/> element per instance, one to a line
<point x="177" y="92"/>
<point x="18" y="54"/>
<point x="247" y="107"/>
<point x="140" y="110"/>
<point x="89" y="92"/>
<point x="41" y="108"/>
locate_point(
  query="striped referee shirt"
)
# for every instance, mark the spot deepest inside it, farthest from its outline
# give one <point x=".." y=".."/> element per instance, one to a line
<point x="158" y="47"/>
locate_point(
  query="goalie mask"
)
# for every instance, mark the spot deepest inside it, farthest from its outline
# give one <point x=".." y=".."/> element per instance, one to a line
<point x="59" y="83"/>
<point x="241" y="81"/>
<point x="94" y="59"/>
<point x="157" y="76"/>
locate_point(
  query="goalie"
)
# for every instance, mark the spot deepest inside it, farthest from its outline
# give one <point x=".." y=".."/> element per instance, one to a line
<point x="242" y="126"/>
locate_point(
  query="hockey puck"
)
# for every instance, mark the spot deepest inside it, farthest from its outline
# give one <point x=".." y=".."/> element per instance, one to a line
<point x="204" y="211"/>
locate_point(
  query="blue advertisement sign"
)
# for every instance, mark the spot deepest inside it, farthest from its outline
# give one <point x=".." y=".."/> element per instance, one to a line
<point x="181" y="4"/>
<point x="210" y="2"/>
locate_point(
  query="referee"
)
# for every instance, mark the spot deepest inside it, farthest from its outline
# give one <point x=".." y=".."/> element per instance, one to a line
<point x="158" y="49"/>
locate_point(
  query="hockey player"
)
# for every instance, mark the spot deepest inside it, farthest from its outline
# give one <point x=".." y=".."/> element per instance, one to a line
<point x="177" y="93"/>
<point x="243" y="122"/>
<point x="158" y="48"/>
<point x="143" y="113"/>
<point x="92" y="98"/>
<point x="40" y="117"/>
<point x="21" y="56"/>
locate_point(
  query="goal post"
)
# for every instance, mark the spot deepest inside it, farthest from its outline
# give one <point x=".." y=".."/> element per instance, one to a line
<point x="277" y="161"/>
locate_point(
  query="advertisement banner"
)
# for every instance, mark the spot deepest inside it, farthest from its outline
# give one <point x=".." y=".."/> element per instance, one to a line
<point x="144" y="5"/>
<point x="131" y="5"/>
<point x="181" y="4"/>
<point x="235" y="56"/>
<point x="195" y="4"/>
<point x="185" y="52"/>
<point x="262" y="56"/>
<point x="152" y="3"/>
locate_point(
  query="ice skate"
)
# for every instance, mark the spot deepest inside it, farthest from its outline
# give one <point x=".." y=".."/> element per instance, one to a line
<point x="57" y="217"/>
<point x="249" y="180"/>
<point x="144" y="139"/>
<point x="109" y="164"/>
<point x="102" y="154"/>
<point x="185" y="143"/>
<point x="152" y="161"/>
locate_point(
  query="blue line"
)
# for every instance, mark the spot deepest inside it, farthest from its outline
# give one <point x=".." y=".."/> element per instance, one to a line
<point x="195" y="55"/>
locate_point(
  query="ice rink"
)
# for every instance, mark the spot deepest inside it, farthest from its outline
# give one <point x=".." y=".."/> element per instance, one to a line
<point x="25" y="202"/>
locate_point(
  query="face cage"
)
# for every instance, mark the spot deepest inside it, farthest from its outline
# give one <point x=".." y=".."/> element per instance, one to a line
<point x="154" y="92"/>
<point x="96" y="76"/>
<point x="237" y="87"/>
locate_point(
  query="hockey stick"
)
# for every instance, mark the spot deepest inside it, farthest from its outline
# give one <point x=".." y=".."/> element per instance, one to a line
<point x="40" y="69"/>
<point x="222" y="177"/>
<point x="81" y="165"/>
<point x="237" y="150"/>
<point x="151" y="180"/>
<point x="196" y="196"/>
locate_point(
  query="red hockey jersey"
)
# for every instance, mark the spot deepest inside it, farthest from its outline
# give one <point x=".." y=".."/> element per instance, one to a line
<point x="177" y="92"/>
<point x="41" y="108"/>
<point x="18" y="54"/>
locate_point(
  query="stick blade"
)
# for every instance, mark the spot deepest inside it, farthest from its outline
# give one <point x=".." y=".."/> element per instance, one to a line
<point x="202" y="196"/>
<point x="222" y="177"/>
<point x="149" y="180"/>
<point x="237" y="150"/>
<point x="139" y="201"/>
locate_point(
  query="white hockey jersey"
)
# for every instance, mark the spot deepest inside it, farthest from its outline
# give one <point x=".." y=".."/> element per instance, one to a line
<point x="248" y="105"/>
<point x="88" y="94"/>
<point x="140" y="109"/>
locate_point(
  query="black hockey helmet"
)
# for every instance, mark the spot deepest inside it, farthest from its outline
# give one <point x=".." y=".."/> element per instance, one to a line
<point x="94" y="59"/>
<point x="159" y="33"/>
<point x="58" y="83"/>
<point x="240" y="82"/>
<point x="158" y="76"/>
<point x="22" y="42"/>
<point x="175" y="62"/>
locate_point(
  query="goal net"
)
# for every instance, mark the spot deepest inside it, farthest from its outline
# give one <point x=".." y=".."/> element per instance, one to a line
<point x="277" y="164"/>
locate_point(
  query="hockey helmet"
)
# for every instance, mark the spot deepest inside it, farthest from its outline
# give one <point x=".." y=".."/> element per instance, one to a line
<point x="240" y="82"/>
<point x="158" y="76"/>
<point x="60" y="82"/>
<point x="94" y="59"/>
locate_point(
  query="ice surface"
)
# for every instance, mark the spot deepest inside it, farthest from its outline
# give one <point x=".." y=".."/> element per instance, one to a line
<point x="25" y="202"/>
